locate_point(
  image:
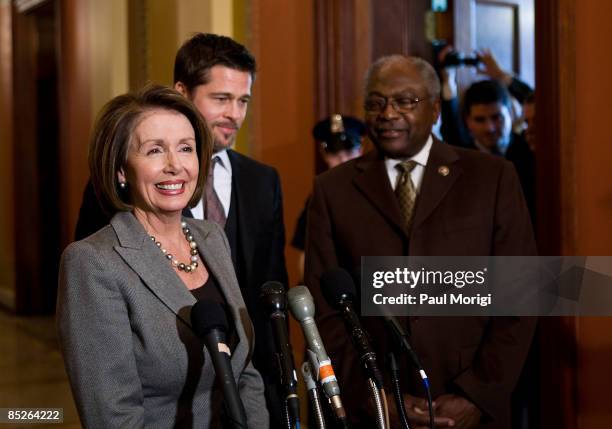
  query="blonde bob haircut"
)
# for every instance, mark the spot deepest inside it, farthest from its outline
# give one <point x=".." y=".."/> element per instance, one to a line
<point x="113" y="133"/>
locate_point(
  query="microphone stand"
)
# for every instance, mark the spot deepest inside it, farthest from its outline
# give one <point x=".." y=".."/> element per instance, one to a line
<point x="313" y="395"/>
<point x="402" y="342"/>
<point x="368" y="358"/>
<point x="397" y="391"/>
<point x="380" y="401"/>
<point x="290" y="404"/>
<point x="287" y="419"/>
<point x="339" y="291"/>
<point x="274" y="299"/>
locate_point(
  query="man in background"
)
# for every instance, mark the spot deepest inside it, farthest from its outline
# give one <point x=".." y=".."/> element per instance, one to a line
<point x="416" y="196"/>
<point x="339" y="140"/>
<point x="486" y="121"/>
<point x="242" y="195"/>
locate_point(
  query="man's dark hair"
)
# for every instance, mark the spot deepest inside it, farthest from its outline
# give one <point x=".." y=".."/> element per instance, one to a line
<point x="485" y="92"/>
<point x="204" y="51"/>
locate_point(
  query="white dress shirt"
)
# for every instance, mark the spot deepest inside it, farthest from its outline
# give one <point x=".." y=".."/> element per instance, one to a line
<point x="222" y="183"/>
<point x="417" y="173"/>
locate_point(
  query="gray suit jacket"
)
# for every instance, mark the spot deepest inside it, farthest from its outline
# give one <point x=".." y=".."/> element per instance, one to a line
<point x="124" y="326"/>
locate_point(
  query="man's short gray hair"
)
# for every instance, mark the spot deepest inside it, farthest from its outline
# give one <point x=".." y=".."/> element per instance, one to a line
<point x="427" y="72"/>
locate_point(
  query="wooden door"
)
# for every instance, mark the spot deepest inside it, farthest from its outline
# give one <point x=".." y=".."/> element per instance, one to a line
<point x="49" y="101"/>
<point x="349" y="36"/>
<point x="36" y="155"/>
<point x="504" y="26"/>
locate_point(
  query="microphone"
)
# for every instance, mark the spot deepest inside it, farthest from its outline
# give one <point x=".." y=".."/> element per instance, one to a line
<point x="210" y="324"/>
<point x="302" y="307"/>
<point x="274" y="300"/>
<point x="339" y="292"/>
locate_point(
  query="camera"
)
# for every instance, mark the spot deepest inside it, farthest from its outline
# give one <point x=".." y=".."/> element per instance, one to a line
<point x="457" y="59"/>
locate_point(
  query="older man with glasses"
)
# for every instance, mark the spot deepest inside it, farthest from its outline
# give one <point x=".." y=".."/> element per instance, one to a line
<point x="416" y="196"/>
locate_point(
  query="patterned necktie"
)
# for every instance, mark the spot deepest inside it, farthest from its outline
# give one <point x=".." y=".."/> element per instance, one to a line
<point x="405" y="192"/>
<point x="213" y="209"/>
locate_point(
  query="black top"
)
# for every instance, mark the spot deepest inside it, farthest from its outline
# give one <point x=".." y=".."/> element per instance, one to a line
<point x="211" y="291"/>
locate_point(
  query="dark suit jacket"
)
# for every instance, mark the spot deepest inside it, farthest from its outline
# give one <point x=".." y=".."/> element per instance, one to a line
<point x="258" y="246"/>
<point x="518" y="152"/>
<point x="477" y="209"/>
<point x="91" y="216"/>
<point x="256" y="233"/>
<point x="125" y="330"/>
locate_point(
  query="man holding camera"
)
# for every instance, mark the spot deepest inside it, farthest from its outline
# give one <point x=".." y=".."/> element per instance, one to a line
<point x="486" y="119"/>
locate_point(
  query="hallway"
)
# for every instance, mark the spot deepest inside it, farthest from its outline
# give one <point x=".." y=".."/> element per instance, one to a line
<point x="32" y="370"/>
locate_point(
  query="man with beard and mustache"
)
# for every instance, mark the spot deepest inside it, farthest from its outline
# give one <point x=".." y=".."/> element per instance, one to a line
<point x="244" y="196"/>
<point x="416" y="196"/>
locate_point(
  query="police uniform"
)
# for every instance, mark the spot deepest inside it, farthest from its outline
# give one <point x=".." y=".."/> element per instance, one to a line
<point x="333" y="134"/>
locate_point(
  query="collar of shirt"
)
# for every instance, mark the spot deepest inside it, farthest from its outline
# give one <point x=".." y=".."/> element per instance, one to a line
<point x="419" y="170"/>
<point x="224" y="161"/>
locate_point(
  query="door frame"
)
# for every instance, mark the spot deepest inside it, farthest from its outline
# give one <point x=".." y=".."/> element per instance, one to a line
<point x="28" y="294"/>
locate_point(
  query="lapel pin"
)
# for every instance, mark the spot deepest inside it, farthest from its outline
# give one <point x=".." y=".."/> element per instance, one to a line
<point x="443" y="171"/>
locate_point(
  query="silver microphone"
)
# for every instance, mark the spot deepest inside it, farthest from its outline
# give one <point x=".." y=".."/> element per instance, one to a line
<point x="302" y="308"/>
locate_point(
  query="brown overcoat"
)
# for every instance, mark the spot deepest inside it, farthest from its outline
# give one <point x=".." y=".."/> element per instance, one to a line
<point x="476" y="209"/>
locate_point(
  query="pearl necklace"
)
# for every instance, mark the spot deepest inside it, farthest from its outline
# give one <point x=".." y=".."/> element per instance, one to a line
<point x="188" y="268"/>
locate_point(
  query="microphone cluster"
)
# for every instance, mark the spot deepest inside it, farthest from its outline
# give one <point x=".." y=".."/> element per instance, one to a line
<point x="208" y="320"/>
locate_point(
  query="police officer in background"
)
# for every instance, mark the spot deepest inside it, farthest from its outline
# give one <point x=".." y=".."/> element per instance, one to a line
<point x="339" y="140"/>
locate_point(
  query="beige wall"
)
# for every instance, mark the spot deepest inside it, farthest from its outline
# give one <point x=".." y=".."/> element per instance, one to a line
<point x="162" y="39"/>
<point x="108" y="26"/>
<point x="213" y="16"/>
<point x="170" y="22"/>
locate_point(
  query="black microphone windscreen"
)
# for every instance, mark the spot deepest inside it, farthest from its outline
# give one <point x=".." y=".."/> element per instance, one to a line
<point x="273" y="297"/>
<point x="272" y="287"/>
<point x="336" y="285"/>
<point x="207" y="315"/>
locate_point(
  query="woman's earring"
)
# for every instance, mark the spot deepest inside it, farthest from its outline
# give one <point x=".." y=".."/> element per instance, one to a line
<point x="122" y="185"/>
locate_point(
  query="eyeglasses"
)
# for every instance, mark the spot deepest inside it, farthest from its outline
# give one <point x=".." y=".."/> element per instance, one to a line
<point x="400" y="105"/>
